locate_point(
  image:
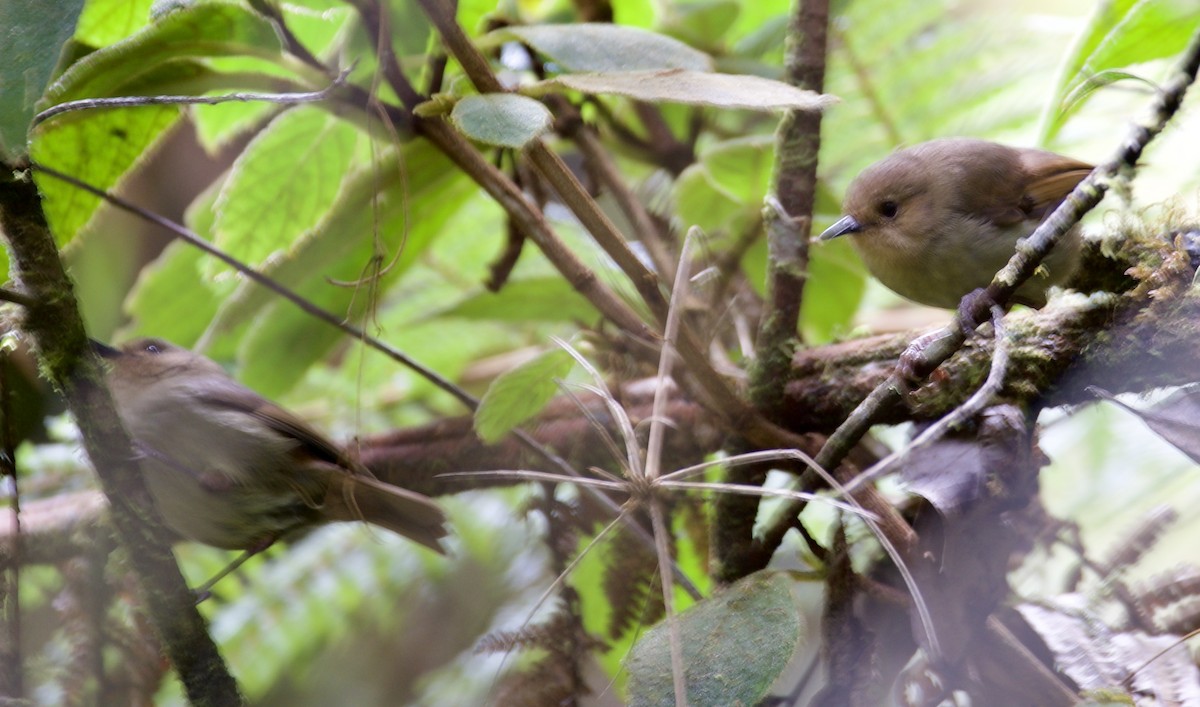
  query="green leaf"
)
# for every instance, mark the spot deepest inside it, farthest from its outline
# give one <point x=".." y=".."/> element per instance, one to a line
<point x="693" y="88"/>
<point x="100" y="147"/>
<point x="106" y="22"/>
<point x="767" y="37"/>
<point x="835" y="287"/>
<point x="723" y="191"/>
<point x="472" y="13"/>
<point x="283" y="183"/>
<point x="1120" y="33"/>
<point x="607" y="48"/>
<point x="373" y="200"/>
<point x="742" y="167"/>
<point x="545" y="299"/>
<point x="521" y="393"/>
<point x="318" y="25"/>
<point x="205" y="30"/>
<point x="97" y="147"/>
<point x="699" y="201"/>
<point x="172" y="299"/>
<point x="4" y="260"/>
<point x="31" y="36"/>
<point x="501" y="119"/>
<point x="701" y="24"/>
<point x="383" y="209"/>
<point x="735" y="645"/>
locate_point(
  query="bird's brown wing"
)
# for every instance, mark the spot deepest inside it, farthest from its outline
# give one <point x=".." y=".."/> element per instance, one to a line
<point x="1051" y="179"/>
<point x="352" y="492"/>
<point x="245" y="400"/>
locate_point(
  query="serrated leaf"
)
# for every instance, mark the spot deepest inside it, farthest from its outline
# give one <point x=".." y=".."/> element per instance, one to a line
<point x="607" y="47"/>
<point x="547" y="299"/>
<point x="501" y="119"/>
<point x="99" y="148"/>
<point x="282" y="184"/>
<point x="205" y="30"/>
<point x="373" y="198"/>
<point x="316" y="24"/>
<point x="521" y="393"/>
<point x="283" y="342"/>
<point x="693" y="88"/>
<point x="105" y="22"/>
<point x="735" y="645"/>
<point x="31" y="37"/>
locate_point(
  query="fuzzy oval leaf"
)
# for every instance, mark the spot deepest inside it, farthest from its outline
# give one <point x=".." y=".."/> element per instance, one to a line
<point x="281" y="185"/>
<point x="501" y="119"/>
<point x="607" y="47"/>
<point x="695" y="88"/>
<point x="735" y="645"/>
<point x="31" y="37"/>
<point x="521" y="393"/>
<point x="204" y="30"/>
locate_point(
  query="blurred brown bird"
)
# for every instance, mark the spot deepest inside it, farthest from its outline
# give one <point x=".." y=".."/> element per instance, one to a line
<point x="228" y="468"/>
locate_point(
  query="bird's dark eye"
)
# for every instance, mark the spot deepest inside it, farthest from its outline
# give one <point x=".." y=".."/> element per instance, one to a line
<point x="152" y="348"/>
<point x="889" y="209"/>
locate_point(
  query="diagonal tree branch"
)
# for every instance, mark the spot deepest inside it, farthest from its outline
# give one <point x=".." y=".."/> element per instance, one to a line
<point x="55" y="324"/>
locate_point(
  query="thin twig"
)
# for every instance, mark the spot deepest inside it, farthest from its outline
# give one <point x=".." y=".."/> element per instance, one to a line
<point x="243" y="97"/>
<point x="666" y="360"/>
<point x="15" y="297"/>
<point x="661" y="533"/>
<point x="600" y="160"/>
<point x="967" y="411"/>
<point x="713" y="390"/>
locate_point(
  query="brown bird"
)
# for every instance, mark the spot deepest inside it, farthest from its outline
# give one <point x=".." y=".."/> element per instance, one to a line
<point x="228" y="468"/>
<point x="936" y="221"/>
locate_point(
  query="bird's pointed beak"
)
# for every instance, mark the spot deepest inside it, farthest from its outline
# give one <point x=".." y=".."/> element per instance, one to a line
<point x="844" y="225"/>
<point x="104" y="350"/>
